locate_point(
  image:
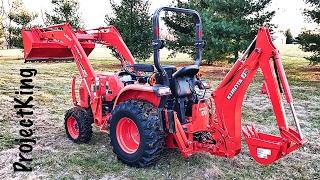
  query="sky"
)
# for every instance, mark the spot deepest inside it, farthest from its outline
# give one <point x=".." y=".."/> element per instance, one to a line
<point x="288" y="12"/>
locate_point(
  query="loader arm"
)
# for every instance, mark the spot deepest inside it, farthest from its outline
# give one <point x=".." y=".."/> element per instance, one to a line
<point x="61" y="42"/>
<point x="229" y="97"/>
<point x="110" y="36"/>
<point x="64" y="34"/>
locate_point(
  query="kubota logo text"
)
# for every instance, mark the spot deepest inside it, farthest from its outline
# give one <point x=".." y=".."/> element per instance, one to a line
<point x="78" y="51"/>
<point x="68" y="37"/>
<point x="237" y="85"/>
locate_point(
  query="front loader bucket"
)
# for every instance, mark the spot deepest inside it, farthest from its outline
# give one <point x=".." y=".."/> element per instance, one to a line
<point x="38" y="48"/>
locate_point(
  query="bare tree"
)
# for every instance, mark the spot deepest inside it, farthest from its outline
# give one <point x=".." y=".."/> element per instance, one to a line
<point x="2" y="15"/>
<point x="15" y="18"/>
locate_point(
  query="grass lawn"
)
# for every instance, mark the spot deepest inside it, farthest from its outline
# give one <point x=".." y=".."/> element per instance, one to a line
<point x="55" y="157"/>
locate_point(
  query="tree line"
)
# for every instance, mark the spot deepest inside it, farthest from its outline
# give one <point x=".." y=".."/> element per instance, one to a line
<point x="310" y="40"/>
<point x="16" y="17"/>
<point x="228" y="26"/>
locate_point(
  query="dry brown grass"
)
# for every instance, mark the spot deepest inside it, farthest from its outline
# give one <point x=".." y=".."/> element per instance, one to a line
<point x="55" y="157"/>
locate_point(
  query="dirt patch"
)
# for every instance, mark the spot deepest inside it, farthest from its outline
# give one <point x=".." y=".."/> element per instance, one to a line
<point x="217" y="72"/>
<point x="312" y="69"/>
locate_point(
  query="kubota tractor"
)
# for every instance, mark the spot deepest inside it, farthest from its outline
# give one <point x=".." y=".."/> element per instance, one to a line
<point x="144" y="114"/>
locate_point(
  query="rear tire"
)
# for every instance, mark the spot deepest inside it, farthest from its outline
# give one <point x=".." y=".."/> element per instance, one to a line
<point x="78" y="125"/>
<point x="135" y="133"/>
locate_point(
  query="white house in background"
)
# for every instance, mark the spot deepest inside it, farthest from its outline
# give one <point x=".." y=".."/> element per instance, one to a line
<point x="278" y="38"/>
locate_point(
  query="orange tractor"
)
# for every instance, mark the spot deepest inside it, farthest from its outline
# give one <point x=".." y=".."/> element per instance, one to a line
<point x="147" y="108"/>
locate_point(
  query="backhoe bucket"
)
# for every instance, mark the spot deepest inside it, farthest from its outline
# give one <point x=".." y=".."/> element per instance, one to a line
<point x="266" y="148"/>
<point x="39" y="48"/>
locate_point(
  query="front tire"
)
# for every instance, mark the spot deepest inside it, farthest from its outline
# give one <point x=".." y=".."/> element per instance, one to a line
<point x="135" y="133"/>
<point x="78" y="125"/>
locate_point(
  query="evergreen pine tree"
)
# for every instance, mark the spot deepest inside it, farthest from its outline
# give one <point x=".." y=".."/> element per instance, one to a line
<point x="228" y="26"/>
<point x="64" y="11"/>
<point x="310" y="40"/>
<point x="132" y="19"/>
<point x="289" y="37"/>
<point x="18" y="18"/>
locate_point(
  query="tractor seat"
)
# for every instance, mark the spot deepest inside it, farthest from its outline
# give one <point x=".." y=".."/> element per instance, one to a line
<point x="170" y="69"/>
<point x="189" y="71"/>
<point x="183" y="81"/>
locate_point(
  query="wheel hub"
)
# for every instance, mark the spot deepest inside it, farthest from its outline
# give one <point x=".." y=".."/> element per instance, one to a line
<point x="73" y="128"/>
<point x="128" y="135"/>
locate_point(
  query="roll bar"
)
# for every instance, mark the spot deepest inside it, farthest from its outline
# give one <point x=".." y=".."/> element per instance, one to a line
<point x="158" y="44"/>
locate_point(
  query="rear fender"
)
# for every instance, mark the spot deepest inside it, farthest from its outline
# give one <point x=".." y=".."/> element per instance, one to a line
<point x="139" y="92"/>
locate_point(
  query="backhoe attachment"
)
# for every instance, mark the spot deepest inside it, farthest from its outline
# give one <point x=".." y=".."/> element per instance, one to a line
<point x="267" y="148"/>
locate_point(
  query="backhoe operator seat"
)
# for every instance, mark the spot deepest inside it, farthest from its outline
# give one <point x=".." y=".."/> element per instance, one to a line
<point x="183" y="81"/>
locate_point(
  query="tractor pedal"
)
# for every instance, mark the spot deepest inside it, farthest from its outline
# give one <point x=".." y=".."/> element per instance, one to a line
<point x="104" y="130"/>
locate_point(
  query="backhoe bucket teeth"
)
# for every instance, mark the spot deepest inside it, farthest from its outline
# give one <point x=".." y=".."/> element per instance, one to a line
<point x="38" y="48"/>
<point x="267" y="148"/>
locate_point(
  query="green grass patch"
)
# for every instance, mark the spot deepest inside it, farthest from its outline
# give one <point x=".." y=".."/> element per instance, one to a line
<point x="6" y="137"/>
